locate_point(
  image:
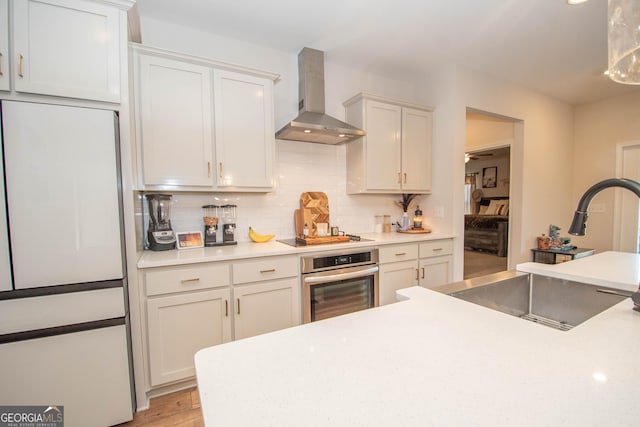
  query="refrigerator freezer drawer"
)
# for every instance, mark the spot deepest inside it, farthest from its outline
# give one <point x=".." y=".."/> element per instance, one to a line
<point x="86" y="372"/>
<point x="26" y="314"/>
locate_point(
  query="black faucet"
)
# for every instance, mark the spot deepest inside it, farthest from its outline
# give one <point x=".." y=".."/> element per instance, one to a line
<point x="579" y="223"/>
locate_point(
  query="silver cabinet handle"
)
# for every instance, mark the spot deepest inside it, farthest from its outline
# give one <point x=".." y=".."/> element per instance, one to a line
<point x="190" y="281"/>
<point x="271" y="270"/>
<point x="341" y="276"/>
<point x="1" y="59"/>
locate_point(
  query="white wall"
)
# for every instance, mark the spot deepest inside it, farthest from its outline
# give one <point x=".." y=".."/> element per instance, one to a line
<point x="541" y="154"/>
<point x="599" y="127"/>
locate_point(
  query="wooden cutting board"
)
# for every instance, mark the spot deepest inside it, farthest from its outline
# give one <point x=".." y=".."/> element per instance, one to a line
<point x="315" y="208"/>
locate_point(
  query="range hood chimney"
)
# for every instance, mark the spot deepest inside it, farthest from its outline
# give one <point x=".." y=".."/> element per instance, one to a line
<point x="312" y="124"/>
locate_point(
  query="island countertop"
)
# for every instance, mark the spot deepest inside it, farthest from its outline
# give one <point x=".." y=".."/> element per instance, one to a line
<point x="431" y="360"/>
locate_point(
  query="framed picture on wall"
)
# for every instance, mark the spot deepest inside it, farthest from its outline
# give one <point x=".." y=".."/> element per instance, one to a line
<point x="489" y="177"/>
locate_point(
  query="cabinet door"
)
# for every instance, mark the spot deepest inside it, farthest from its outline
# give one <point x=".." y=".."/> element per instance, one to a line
<point x="435" y="271"/>
<point x="244" y="130"/>
<point x="4" y="45"/>
<point x="266" y="307"/>
<point x="394" y="276"/>
<point x="383" y="144"/>
<point x="67" y="48"/>
<point x="179" y="326"/>
<point x="174" y="103"/>
<point x="416" y="150"/>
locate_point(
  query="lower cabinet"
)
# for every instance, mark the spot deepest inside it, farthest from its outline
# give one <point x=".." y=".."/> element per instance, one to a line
<point x="266" y="295"/>
<point x="266" y="307"/>
<point x="426" y="264"/>
<point x="191" y="307"/>
<point x="398" y="269"/>
<point x="180" y="325"/>
<point x="435" y="263"/>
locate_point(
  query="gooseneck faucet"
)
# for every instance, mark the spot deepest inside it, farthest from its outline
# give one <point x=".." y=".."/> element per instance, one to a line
<point x="579" y="223"/>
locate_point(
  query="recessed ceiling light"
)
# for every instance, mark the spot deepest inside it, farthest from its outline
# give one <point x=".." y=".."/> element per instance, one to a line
<point x="574" y="2"/>
<point x="307" y="131"/>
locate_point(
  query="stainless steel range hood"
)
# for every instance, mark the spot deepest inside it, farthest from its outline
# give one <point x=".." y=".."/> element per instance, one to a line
<point x="312" y="124"/>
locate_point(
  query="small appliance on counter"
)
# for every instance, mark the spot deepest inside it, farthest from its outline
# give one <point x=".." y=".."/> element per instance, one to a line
<point x="228" y="224"/>
<point x="160" y="236"/>
<point x="210" y="219"/>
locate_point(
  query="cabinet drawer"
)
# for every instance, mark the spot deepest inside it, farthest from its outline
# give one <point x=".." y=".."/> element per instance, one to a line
<point x="186" y="278"/>
<point x="264" y="269"/>
<point x="394" y="253"/>
<point x="436" y="248"/>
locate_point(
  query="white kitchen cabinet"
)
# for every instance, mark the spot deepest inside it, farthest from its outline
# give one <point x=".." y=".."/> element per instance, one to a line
<point x="266" y="307"/>
<point x="4" y="45"/>
<point x="188" y="309"/>
<point x="398" y="270"/>
<point x="202" y="125"/>
<point x="174" y="105"/>
<point x="244" y="130"/>
<point x="68" y="48"/>
<point x="179" y="326"/>
<point x="395" y="155"/>
<point x="435" y="263"/>
<point x="266" y="295"/>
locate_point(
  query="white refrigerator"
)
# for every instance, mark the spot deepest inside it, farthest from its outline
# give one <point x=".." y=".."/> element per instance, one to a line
<point x="64" y="337"/>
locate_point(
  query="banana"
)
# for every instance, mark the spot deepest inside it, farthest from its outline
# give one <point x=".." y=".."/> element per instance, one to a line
<point x="259" y="238"/>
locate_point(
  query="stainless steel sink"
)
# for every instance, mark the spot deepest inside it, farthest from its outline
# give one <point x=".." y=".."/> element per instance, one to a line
<point x="561" y="304"/>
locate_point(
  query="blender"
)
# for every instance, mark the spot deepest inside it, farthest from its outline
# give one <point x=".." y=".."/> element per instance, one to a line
<point x="160" y="235"/>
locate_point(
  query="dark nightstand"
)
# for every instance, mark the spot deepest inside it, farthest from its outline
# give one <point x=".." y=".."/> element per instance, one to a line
<point x="554" y="256"/>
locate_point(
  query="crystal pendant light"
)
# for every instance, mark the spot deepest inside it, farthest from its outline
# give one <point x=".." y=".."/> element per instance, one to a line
<point x="624" y="41"/>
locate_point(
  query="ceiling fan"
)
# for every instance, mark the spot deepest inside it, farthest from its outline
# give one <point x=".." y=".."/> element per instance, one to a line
<point x="471" y="156"/>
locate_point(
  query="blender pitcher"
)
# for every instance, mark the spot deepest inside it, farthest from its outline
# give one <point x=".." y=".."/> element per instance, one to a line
<point x="160" y="235"/>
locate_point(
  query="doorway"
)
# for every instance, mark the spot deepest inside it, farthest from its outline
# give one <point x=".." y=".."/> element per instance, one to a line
<point x="487" y="193"/>
<point x="627" y="206"/>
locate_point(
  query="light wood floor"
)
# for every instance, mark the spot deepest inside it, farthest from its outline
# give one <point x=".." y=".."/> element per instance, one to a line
<point x="181" y="408"/>
<point x="481" y="263"/>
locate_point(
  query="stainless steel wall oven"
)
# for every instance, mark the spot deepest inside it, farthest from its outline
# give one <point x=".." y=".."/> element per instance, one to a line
<point x="335" y="283"/>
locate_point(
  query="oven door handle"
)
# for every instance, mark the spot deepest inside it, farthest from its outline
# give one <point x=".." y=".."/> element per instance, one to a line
<point x="341" y="276"/>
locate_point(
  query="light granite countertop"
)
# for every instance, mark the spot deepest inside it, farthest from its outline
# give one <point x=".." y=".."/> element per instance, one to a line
<point x="434" y="360"/>
<point x="252" y="250"/>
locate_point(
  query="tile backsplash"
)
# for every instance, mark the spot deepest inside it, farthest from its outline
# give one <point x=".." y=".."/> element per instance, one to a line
<point x="299" y="167"/>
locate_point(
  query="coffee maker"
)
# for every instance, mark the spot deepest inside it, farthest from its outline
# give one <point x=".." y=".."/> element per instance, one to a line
<point x="160" y="236"/>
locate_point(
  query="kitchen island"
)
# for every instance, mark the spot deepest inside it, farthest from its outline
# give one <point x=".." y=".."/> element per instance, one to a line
<point x="432" y="359"/>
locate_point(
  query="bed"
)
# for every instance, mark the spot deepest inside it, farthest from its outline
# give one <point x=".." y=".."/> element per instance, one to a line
<point x="488" y="229"/>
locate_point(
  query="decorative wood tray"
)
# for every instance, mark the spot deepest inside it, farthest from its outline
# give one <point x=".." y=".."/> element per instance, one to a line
<point x="415" y="231"/>
<point x="322" y="240"/>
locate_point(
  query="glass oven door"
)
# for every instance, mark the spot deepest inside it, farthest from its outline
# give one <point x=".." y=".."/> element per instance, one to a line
<point x="343" y="291"/>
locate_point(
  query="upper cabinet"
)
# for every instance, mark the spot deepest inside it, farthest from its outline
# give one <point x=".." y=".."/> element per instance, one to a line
<point x="395" y="155"/>
<point x="202" y="125"/>
<point x="68" y="48"/>
<point x="4" y="45"/>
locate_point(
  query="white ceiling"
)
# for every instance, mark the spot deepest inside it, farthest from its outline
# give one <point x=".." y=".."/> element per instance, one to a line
<point x="545" y="45"/>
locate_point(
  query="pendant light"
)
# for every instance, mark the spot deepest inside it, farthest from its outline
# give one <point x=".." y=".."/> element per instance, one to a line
<point x="624" y="41"/>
